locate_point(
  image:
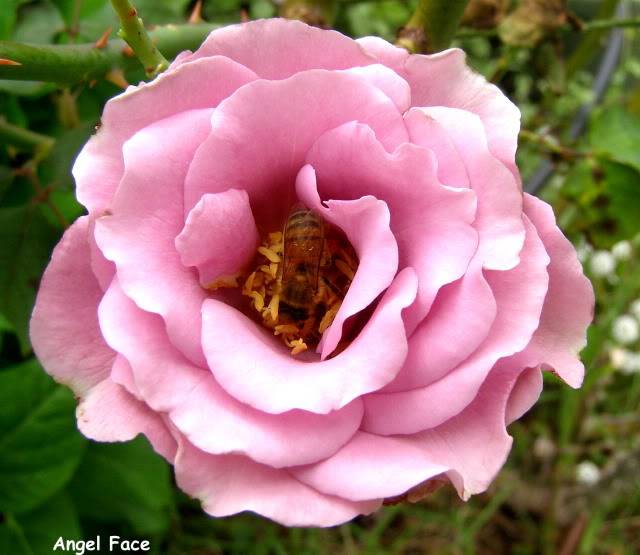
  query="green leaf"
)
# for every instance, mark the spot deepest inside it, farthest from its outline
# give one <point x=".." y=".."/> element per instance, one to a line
<point x="24" y="251"/>
<point x="615" y="135"/>
<point x="38" y="23"/>
<point x="622" y="186"/>
<point x="8" y="19"/>
<point x="39" y="442"/>
<point x="56" y="169"/>
<point x="124" y="481"/>
<point x="45" y="524"/>
<point x="36" y="532"/>
<point x="12" y="539"/>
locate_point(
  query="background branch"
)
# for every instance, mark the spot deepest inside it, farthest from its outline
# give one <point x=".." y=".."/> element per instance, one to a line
<point x="432" y="26"/>
<point x="85" y="62"/>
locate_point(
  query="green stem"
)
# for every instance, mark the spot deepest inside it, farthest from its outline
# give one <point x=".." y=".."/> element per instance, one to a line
<point x="138" y="39"/>
<point x="598" y="24"/>
<point x="432" y="26"/>
<point x="24" y="138"/>
<point x="71" y="64"/>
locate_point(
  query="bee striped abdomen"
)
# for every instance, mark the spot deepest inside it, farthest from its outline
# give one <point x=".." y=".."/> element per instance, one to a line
<point x="304" y="241"/>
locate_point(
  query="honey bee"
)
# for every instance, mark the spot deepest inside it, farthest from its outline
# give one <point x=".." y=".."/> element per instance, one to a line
<point x="307" y="272"/>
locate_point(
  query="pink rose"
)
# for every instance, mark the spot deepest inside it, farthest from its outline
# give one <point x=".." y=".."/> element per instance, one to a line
<point x="465" y="287"/>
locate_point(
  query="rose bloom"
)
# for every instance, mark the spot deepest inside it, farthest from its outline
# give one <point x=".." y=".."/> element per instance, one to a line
<point x="464" y="290"/>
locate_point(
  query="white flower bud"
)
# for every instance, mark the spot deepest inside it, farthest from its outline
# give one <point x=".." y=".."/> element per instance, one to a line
<point x="544" y="448"/>
<point x="587" y="473"/>
<point x="625" y="329"/>
<point x="635" y="308"/>
<point x="618" y="357"/>
<point x="621" y="250"/>
<point x="584" y="251"/>
<point x="631" y="364"/>
<point x="602" y="263"/>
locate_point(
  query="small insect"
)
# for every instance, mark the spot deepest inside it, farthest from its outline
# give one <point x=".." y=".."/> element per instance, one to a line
<point x="307" y="272"/>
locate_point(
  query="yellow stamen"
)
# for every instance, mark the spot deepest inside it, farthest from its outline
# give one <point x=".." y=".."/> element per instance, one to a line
<point x="223" y="281"/>
<point x="269" y="254"/>
<point x="328" y="317"/>
<point x="258" y="300"/>
<point x="248" y="284"/>
<point x="274" y="304"/>
<point x="298" y="347"/>
<point x="285" y="329"/>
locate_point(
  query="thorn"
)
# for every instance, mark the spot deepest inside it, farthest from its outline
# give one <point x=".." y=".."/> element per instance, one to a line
<point x="92" y="83"/>
<point x="116" y="77"/>
<point x="132" y="12"/>
<point x="128" y="51"/>
<point x="196" y="13"/>
<point x="103" y="40"/>
<point x="7" y="62"/>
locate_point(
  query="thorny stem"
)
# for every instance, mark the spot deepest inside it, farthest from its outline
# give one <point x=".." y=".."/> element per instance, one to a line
<point x="136" y="36"/>
<point x="71" y="64"/>
<point x="432" y="26"/>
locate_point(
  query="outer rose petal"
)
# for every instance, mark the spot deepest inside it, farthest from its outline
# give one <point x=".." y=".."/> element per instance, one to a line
<point x="146" y="216"/>
<point x="444" y="79"/>
<point x="519" y="295"/>
<point x="266" y="47"/>
<point x="247" y="360"/>
<point x="201" y="410"/>
<point x="370" y="467"/>
<point x="365" y="222"/>
<point x="498" y="220"/>
<point x="471" y="447"/>
<point x="525" y="393"/>
<point x="568" y="308"/>
<point x="220" y="235"/>
<point x="431" y="223"/>
<point x="276" y="140"/>
<point x="125" y="418"/>
<point x="64" y="326"/>
<point x="229" y="484"/>
<point x="202" y="84"/>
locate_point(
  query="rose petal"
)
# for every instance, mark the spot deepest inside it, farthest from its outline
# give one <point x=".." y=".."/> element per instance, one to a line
<point x="229" y="484"/>
<point x="370" y="467"/>
<point x="389" y="82"/>
<point x="498" y="218"/>
<point x="444" y="79"/>
<point x="568" y="308"/>
<point x="524" y="394"/>
<point x="146" y="216"/>
<point x="266" y="47"/>
<point x="458" y="322"/>
<point x="276" y="140"/>
<point x="431" y="223"/>
<point x="200" y="84"/>
<point x="247" y="360"/>
<point x="202" y="411"/>
<point x="220" y="235"/>
<point x="125" y="419"/>
<point x="64" y="325"/>
<point x="519" y="294"/>
<point x="365" y="222"/>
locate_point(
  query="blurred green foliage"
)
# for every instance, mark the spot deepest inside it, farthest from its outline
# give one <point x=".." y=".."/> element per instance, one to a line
<point x="54" y="482"/>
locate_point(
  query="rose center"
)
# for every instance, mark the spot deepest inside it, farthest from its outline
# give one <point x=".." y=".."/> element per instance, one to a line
<point x="301" y="276"/>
